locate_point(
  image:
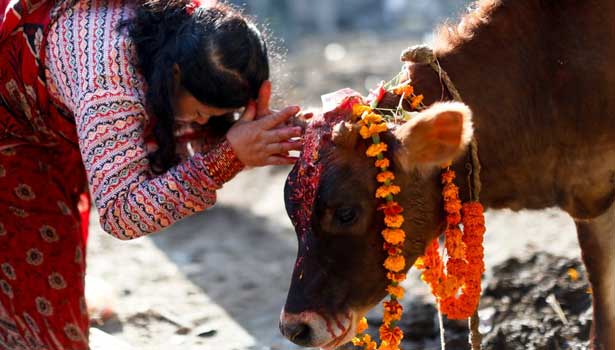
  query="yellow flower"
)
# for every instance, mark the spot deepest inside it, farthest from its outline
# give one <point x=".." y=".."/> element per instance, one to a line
<point x="383" y="163"/>
<point x="362" y="325"/>
<point x="395" y="263"/>
<point x="373" y="129"/>
<point x="396" y="291"/>
<point x="385" y="176"/>
<point x="357" y="341"/>
<point x="375" y="149"/>
<point x="359" y="109"/>
<point x="384" y="191"/>
<point x="394" y="221"/>
<point x="573" y="274"/>
<point x="394" y="236"/>
<point x="365" y="341"/>
<point x="372" y="118"/>
<point x="419" y="263"/>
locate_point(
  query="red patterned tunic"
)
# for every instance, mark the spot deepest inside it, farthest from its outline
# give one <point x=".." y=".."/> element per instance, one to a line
<point x="72" y="113"/>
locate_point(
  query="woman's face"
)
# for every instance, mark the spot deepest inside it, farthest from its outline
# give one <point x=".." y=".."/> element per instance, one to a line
<point x="190" y="111"/>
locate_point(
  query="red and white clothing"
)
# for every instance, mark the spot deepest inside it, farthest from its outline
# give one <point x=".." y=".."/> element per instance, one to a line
<point x="71" y="114"/>
<point x="89" y="70"/>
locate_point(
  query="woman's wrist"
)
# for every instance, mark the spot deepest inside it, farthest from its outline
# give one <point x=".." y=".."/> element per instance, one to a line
<point x="221" y="163"/>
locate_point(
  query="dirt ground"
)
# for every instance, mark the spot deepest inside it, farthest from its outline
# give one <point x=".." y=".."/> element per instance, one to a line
<point x="218" y="280"/>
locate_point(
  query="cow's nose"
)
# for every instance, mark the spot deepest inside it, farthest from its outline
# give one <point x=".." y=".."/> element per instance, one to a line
<point x="299" y="333"/>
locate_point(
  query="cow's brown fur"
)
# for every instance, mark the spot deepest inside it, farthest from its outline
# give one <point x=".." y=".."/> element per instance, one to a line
<point x="537" y="76"/>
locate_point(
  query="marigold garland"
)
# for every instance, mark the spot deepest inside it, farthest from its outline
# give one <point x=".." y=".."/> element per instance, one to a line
<point x="457" y="290"/>
<point x="372" y="124"/>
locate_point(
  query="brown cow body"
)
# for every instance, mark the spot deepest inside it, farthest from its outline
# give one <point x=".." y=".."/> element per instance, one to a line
<point x="537" y="76"/>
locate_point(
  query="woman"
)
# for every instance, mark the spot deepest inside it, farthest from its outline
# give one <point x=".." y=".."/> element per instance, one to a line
<point x="105" y="92"/>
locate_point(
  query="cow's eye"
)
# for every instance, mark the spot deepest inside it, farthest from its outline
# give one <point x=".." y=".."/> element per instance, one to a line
<point x="346" y="215"/>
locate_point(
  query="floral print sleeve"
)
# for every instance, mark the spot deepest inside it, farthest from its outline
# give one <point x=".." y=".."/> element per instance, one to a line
<point x="89" y="69"/>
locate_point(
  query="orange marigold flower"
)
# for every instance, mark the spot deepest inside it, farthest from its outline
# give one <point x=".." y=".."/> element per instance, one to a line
<point x="393" y="308"/>
<point x="473" y="209"/>
<point x="373" y="129"/>
<point x="448" y="176"/>
<point x="386" y="346"/>
<point x="387" y="318"/>
<point x="396" y="291"/>
<point x="393" y="221"/>
<point x="453" y="219"/>
<point x="391" y="336"/>
<point x="383" y="163"/>
<point x="375" y="149"/>
<point x="455" y="248"/>
<point x="386" y="190"/>
<point x="365" y="132"/>
<point x="456" y="267"/>
<point x="395" y="263"/>
<point x="359" y="109"/>
<point x="385" y="176"/>
<point x="459" y="308"/>
<point x="450" y="192"/>
<point x="377" y="128"/>
<point x="371" y="346"/>
<point x="391" y="208"/>
<point x="396" y="277"/>
<point x="394" y="236"/>
<point x="448" y="287"/>
<point x="416" y="101"/>
<point x="372" y="118"/>
<point x="452" y="206"/>
<point x="362" y="325"/>
<point x="407" y="90"/>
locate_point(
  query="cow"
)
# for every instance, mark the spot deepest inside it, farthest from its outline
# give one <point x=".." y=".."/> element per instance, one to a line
<point x="537" y="76"/>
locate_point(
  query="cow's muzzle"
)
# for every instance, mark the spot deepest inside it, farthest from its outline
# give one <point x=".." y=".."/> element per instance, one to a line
<point x="316" y="329"/>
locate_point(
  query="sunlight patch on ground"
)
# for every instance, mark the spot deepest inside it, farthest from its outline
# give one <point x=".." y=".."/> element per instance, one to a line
<point x="158" y="307"/>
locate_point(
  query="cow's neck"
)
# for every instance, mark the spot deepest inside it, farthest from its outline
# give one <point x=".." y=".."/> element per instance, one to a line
<point x="489" y="71"/>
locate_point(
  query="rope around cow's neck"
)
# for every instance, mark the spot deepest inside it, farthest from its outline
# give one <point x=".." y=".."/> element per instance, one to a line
<point x="425" y="55"/>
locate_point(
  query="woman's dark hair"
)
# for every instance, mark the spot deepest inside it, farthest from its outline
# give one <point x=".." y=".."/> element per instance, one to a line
<point x="222" y="57"/>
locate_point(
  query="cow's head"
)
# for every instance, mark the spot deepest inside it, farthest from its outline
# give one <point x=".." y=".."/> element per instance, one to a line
<point x="338" y="274"/>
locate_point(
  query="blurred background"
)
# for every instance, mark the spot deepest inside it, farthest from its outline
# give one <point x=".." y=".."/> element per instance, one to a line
<point x="218" y="280"/>
<point x="320" y="45"/>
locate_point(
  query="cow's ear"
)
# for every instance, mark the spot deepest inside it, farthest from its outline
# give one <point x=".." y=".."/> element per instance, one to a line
<point x="435" y="136"/>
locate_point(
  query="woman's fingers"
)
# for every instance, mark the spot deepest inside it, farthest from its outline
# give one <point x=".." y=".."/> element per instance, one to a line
<point x="283" y="147"/>
<point x="271" y="121"/>
<point x="282" y="134"/>
<point x="280" y="160"/>
<point x="264" y="96"/>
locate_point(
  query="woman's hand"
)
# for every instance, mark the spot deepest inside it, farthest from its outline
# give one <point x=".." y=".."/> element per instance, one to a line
<point x="266" y="140"/>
